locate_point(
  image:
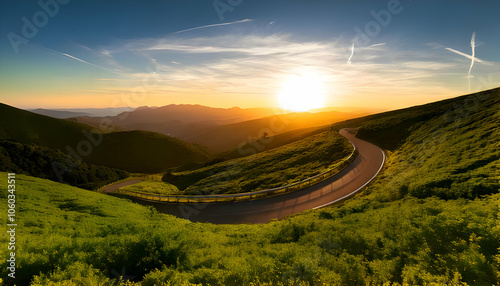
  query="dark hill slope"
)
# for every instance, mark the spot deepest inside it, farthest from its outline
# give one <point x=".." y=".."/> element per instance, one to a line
<point x="136" y="151"/>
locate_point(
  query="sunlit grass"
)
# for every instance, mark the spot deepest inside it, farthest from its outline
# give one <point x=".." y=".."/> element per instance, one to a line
<point x="152" y="187"/>
<point x="274" y="168"/>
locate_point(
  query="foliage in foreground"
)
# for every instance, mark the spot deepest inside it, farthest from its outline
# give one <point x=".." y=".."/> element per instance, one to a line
<point x="411" y="240"/>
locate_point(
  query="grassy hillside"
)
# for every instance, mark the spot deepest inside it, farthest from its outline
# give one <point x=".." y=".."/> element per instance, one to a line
<point x="269" y="169"/>
<point x="135" y="151"/>
<point x="454" y="155"/>
<point x="152" y="187"/>
<point x="390" y="130"/>
<point x="68" y="234"/>
<point x="407" y="227"/>
<point x="272" y="142"/>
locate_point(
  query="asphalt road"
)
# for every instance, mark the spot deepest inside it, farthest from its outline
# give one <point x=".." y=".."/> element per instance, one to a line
<point x="342" y="185"/>
<point x="114" y="187"/>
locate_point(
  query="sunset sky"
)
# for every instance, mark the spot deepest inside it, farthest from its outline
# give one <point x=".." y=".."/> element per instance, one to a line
<point x="246" y="53"/>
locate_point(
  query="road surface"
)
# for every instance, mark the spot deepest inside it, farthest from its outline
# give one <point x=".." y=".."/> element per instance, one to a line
<point x="114" y="187"/>
<point x="353" y="178"/>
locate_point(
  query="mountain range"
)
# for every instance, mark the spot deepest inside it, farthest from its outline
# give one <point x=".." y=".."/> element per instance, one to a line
<point x="221" y="130"/>
<point x="76" y="112"/>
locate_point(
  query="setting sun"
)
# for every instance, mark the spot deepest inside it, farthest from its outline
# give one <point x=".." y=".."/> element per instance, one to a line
<point x="301" y="92"/>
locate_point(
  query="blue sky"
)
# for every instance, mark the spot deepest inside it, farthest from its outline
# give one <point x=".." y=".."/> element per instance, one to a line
<point x="120" y="53"/>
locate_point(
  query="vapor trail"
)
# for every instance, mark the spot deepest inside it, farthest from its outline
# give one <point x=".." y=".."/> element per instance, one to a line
<point x="212" y="25"/>
<point x="473" y="46"/>
<point x="468" y="56"/>
<point x="75" y="58"/>
<point x="352" y="53"/>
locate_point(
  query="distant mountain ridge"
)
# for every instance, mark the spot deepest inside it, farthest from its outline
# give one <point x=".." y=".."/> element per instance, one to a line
<point x="189" y="113"/>
<point x="59" y="114"/>
<point x="226" y="137"/>
<point x="174" y="118"/>
<point x="220" y="129"/>
<point x="78" y="112"/>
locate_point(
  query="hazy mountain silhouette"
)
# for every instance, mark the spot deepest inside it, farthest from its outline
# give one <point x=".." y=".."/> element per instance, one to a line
<point x="220" y="129"/>
<point x="77" y="112"/>
<point x="60" y="114"/>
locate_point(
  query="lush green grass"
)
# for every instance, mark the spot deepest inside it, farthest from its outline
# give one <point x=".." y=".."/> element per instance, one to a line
<point x="274" y="168"/>
<point x="153" y="187"/>
<point x="135" y="151"/>
<point x="65" y="233"/>
<point x="451" y="155"/>
<point x="407" y="227"/>
<point x="273" y="142"/>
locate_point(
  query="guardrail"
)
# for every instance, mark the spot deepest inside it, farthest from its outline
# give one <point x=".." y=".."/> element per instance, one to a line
<point x="244" y="196"/>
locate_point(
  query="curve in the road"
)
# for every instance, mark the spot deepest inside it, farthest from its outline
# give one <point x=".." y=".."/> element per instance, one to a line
<point x="113" y="187"/>
<point x="350" y="180"/>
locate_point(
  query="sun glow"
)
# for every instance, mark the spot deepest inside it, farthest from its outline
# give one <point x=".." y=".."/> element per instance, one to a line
<point x="302" y="91"/>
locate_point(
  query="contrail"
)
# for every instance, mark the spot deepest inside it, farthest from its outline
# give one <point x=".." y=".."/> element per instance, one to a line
<point x="473" y="46"/>
<point x="468" y="56"/>
<point x="212" y="25"/>
<point x="352" y="53"/>
<point x="75" y="58"/>
<point x="376" y="45"/>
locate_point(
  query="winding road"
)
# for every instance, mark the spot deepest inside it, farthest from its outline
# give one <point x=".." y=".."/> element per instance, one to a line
<point x="113" y="187"/>
<point x="346" y="183"/>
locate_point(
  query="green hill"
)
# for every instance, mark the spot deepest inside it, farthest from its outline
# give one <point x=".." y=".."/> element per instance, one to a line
<point x="449" y="149"/>
<point x="423" y="221"/>
<point x="269" y="169"/>
<point x="389" y="130"/>
<point x="273" y="142"/>
<point x="135" y="151"/>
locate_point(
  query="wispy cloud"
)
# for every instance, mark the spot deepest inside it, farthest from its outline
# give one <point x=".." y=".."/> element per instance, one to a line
<point x="249" y="64"/>
<point x="251" y="44"/>
<point x="257" y="65"/>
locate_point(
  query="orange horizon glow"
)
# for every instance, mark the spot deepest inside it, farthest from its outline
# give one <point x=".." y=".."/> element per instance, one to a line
<point x="381" y="102"/>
